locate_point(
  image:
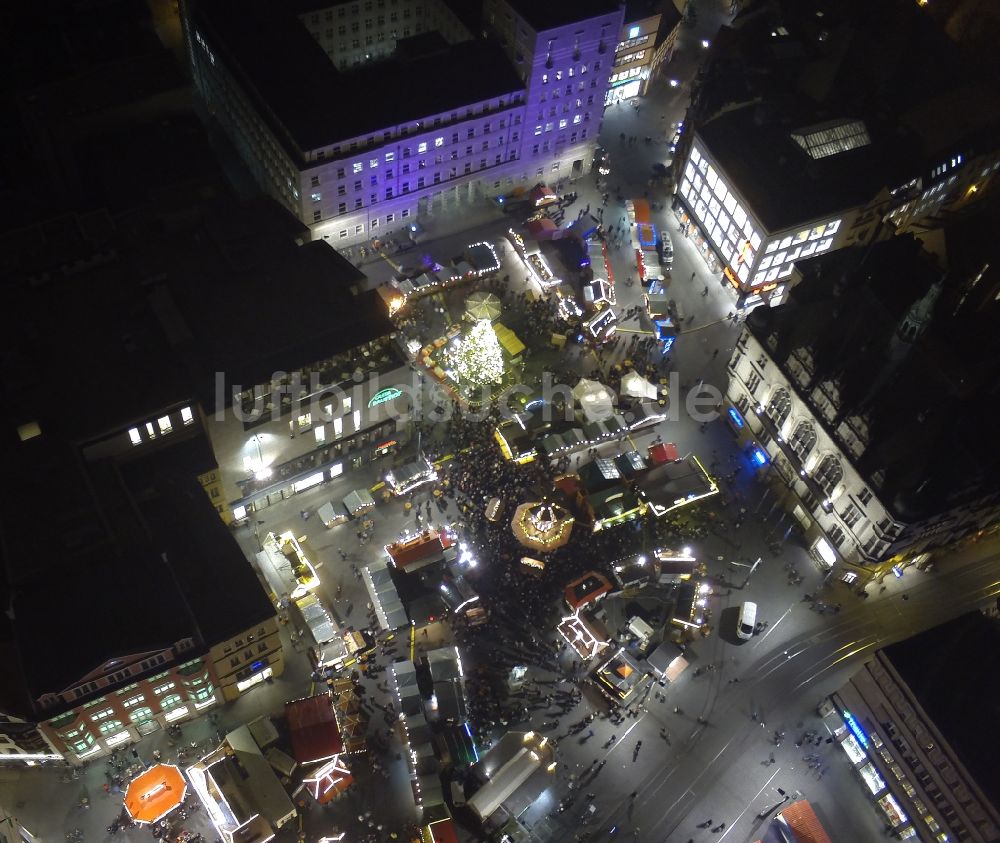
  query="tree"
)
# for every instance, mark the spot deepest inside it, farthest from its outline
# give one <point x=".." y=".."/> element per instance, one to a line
<point x="477" y="355"/>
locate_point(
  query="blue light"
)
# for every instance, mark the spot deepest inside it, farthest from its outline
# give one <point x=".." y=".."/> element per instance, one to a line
<point x="897" y="571"/>
<point x="256" y="666"/>
<point x="668" y="343"/>
<point x="735" y="416"/>
<point x="856" y="730"/>
<point x="500" y="199"/>
<point x="758" y="456"/>
<point x="531" y="405"/>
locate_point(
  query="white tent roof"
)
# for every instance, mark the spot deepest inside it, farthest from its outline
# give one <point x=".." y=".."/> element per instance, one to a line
<point x="635" y="385"/>
<point x="507" y="779"/>
<point x="595" y="399"/>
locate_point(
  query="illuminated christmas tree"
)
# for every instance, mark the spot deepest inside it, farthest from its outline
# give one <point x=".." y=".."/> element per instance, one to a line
<point x="477" y="355"/>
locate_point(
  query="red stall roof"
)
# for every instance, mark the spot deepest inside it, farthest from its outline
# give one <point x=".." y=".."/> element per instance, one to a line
<point x="586" y="589"/>
<point x="313" y="724"/>
<point x="663" y="453"/>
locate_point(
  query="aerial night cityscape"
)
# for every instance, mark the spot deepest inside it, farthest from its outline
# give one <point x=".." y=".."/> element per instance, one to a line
<point x="524" y="421"/>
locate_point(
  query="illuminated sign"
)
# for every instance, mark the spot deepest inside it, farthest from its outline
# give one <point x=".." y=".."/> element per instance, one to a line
<point x="856" y="730"/>
<point x="384" y="395"/>
<point x="668" y="343"/>
<point x="735" y="417"/>
<point x="732" y="278"/>
<point x="758" y="457"/>
<point x="385" y="445"/>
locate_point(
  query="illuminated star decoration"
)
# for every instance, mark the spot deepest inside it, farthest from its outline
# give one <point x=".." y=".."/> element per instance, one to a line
<point x="477" y="356"/>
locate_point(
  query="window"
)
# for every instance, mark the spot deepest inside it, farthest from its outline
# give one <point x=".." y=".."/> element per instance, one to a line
<point x="864" y="496"/>
<point x="438" y="141"/>
<point x="186" y="415"/>
<point x="343" y="234"/>
<point x="422" y="147"/>
<point x="164" y="424"/>
<point x="803" y="439"/>
<point x="779" y="407"/>
<point x="135" y="436"/>
<point x="851" y="515"/>
<point x="837" y="535"/>
<point x="389" y="218"/>
<point x="342" y="208"/>
<point x="356" y="167"/>
<point x="829" y="473"/>
<point x="314" y="181"/>
<point x="317" y="216"/>
<point x="165" y="687"/>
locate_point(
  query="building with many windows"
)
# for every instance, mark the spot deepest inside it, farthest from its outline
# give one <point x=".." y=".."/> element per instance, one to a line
<point x="789" y="148"/>
<point x="402" y="114"/>
<point x="868" y="401"/>
<point x="925" y="756"/>
<point x="647" y="40"/>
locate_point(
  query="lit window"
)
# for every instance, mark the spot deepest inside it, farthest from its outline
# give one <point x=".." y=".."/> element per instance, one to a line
<point x="316" y="197"/>
<point x="186" y="415"/>
<point x="438" y="141"/>
<point x="577" y="119"/>
<point x="357" y="167"/>
<point x="150" y="430"/>
<point x="422" y="147"/>
<point x="135" y="436"/>
<point x="633" y="32"/>
<point x="373" y="163"/>
<point x="538" y="130"/>
<point x="164" y="424"/>
<point x="563" y="123"/>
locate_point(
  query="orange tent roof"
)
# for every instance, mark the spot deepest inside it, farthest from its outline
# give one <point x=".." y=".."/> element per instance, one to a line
<point x="154" y="793"/>
<point x="802" y="819"/>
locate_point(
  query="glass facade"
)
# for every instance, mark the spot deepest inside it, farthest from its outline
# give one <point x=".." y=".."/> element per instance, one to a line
<point x="734" y="233"/>
<point x="781" y="253"/>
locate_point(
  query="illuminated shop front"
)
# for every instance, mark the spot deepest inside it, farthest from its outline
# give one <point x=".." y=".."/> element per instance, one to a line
<point x="862" y="745"/>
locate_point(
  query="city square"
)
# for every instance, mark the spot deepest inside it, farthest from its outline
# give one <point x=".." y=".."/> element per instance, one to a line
<point x="602" y="480"/>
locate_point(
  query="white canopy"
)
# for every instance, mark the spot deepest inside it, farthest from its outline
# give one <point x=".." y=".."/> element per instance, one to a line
<point x="635" y="385"/>
<point x="595" y="399"/>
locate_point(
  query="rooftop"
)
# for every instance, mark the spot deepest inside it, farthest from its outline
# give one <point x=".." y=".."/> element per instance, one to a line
<point x="944" y="668"/>
<point x="128" y="538"/>
<point x="556" y="13"/>
<point x="765" y="159"/>
<point x="314" y="104"/>
<point x="845" y="316"/>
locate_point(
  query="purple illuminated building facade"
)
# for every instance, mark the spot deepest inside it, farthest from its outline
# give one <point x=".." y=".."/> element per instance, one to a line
<point x="363" y="117"/>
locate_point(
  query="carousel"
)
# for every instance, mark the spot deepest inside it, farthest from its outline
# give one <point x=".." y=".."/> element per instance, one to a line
<point x="542" y="525"/>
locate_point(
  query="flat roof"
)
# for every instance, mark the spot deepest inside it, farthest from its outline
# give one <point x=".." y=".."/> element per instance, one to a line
<point x="782" y="183"/>
<point x="297" y="85"/>
<point x="846" y="313"/>
<point x="554" y="13"/>
<point x="945" y="668"/>
<point x="129" y="543"/>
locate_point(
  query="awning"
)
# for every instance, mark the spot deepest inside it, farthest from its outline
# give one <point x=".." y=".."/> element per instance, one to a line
<point x="542" y="194"/>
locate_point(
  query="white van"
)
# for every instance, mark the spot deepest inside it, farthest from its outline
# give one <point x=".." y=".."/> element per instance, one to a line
<point x="747" y="620"/>
<point x="457" y="794"/>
